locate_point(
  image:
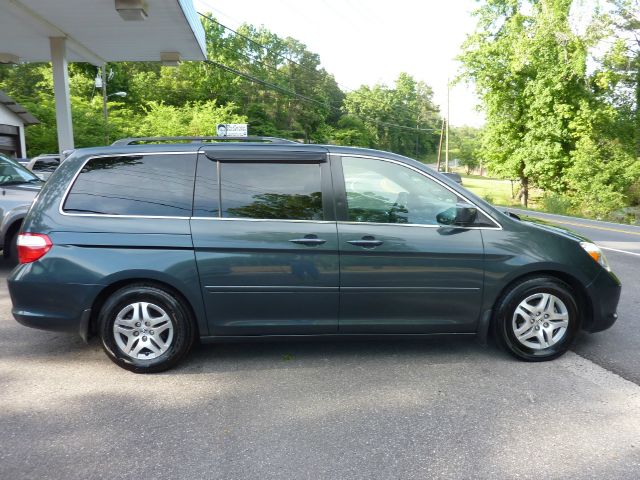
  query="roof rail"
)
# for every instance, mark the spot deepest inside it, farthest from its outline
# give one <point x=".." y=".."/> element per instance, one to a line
<point x="139" y="140"/>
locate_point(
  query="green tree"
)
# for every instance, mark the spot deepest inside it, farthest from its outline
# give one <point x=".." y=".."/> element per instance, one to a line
<point x="466" y="144"/>
<point x="352" y="131"/>
<point x="391" y="113"/>
<point x="275" y="84"/>
<point x="192" y="119"/>
<point x="544" y="113"/>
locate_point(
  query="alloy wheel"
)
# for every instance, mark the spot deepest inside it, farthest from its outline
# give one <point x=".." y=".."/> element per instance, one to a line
<point x="143" y="331"/>
<point x="540" y="321"/>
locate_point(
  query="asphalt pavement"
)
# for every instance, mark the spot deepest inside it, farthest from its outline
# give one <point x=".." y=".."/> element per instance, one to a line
<point x="440" y="408"/>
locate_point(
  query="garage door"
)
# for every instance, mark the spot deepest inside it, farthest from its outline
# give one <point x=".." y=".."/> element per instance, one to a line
<point x="9" y="140"/>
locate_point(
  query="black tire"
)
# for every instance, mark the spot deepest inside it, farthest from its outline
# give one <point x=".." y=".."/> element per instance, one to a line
<point x="13" y="248"/>
<point x="503" y="328"/>
<point x="12" y="253"/>
<point x="183" y="333"/>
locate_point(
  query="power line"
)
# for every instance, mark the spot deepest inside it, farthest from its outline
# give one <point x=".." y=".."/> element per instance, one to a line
<point x="267" y="49"/>
<point x="256" y="43"/>
<point x="288" y="91"/>
<point x="252" y="59"/>
<point x="264" y="83"/>
<point x="304" y="98"/>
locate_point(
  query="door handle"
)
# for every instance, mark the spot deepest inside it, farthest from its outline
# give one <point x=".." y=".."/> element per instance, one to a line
<point x="308" y="240"/>
<point x="368" y="241"/>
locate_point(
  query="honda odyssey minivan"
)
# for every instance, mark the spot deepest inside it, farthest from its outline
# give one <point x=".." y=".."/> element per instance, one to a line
<point x="152" y="244"/>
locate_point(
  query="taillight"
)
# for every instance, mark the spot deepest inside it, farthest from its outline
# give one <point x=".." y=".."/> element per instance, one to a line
<point x="32" y="246"/>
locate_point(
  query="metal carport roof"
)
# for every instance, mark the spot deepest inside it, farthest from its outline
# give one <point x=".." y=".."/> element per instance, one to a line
<point x="96" y="31"/>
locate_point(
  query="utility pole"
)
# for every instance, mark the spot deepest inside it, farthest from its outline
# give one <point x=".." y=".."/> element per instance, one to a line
<point x="105" y="111"/>
<point x="440" y="145"/>
<point x="446" y="150"/>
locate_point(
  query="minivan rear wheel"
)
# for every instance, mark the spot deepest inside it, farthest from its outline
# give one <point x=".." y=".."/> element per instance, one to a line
<point x="145" y="329"/>
<point x="537" y="319"/>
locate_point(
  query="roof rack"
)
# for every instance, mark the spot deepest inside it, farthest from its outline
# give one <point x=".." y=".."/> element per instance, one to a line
<point x="139" y="140"/>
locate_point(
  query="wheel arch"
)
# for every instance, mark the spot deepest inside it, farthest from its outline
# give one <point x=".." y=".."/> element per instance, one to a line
<point x="106" y="292"/>
<point x="585" y="308"/>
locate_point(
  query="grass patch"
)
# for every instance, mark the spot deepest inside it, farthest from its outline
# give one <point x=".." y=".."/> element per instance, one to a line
<point x="498" y="191"/>
<point x="493" y="190"/>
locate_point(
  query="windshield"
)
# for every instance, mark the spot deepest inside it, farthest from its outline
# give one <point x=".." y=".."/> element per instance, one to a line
<point x="12" y="173"/>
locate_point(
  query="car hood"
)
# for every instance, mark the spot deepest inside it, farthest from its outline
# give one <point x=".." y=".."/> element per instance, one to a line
<point x="549" y="227"/>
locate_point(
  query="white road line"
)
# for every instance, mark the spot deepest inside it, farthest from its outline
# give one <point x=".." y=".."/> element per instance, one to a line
<point x="620" y="251"/>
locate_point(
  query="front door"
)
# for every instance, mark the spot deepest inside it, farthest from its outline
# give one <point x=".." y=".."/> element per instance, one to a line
<point x="401" y="271"/>
<point x="266" y="242"/>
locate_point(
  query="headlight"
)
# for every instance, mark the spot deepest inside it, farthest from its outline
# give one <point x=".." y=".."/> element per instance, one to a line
<point x="594" y="252"/>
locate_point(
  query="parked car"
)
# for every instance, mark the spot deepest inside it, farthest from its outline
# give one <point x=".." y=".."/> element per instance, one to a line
<point x="151" y="246"/>
<point x="18" y="189"/>
<point x="44" y="165"/>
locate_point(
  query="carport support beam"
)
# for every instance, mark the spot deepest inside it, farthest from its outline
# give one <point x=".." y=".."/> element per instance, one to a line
<point x="61" y="91"/>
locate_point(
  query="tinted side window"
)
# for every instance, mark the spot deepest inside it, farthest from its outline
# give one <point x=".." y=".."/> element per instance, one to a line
<point x="206" y="195"/>
<point x="46" y="165"/>
<point x="284" y="191"/>
<point x="385" y="192"/>
<point x="159" y="185"/>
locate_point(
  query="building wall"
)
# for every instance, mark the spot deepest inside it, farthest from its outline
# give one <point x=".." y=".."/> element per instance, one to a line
<point x="7" y="117"/>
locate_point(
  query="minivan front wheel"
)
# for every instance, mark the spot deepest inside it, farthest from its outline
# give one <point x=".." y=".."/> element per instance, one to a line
<point x="537" y="319"/>
<point x="145" y="328"/>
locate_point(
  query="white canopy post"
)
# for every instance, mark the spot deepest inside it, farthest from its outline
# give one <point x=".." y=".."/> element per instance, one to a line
<point x="61" y="90"/>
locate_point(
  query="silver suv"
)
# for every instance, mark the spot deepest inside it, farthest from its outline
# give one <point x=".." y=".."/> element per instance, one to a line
<point x="18" y="189"/>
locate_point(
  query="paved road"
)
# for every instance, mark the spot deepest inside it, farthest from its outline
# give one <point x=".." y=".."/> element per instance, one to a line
<point x="617" y="349"/>
<point x="442" y="408"/>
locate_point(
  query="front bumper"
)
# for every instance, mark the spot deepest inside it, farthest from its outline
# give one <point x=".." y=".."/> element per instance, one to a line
<point x="604" y="294"/>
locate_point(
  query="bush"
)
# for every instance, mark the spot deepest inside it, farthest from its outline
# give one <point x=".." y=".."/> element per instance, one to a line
<point x="633" y="193"/>
<point x="191" y="119"/>
<point x="555" y="203"/>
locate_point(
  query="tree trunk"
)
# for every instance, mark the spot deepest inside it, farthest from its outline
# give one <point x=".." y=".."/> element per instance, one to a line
<point x="525" y="192"/>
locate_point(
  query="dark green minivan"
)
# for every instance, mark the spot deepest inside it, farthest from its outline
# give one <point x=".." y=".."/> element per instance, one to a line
<point x="151" y="244"/>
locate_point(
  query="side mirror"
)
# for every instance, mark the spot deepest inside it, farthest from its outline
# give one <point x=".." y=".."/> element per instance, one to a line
<point x="462" y="215"/>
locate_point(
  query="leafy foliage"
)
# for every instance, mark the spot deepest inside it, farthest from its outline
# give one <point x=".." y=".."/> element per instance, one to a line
<point x="556" y="119"/>
<point x="381" y="108"/>
<point x="466" y="147"/>
<point x="275" y="84"/>
<point x="550" y="123"/>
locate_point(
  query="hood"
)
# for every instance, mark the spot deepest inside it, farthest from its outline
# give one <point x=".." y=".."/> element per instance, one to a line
<point x="552" y="228"/>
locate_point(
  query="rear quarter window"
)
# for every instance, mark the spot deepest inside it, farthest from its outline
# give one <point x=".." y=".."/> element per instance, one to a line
<point x="148" y="185"/>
